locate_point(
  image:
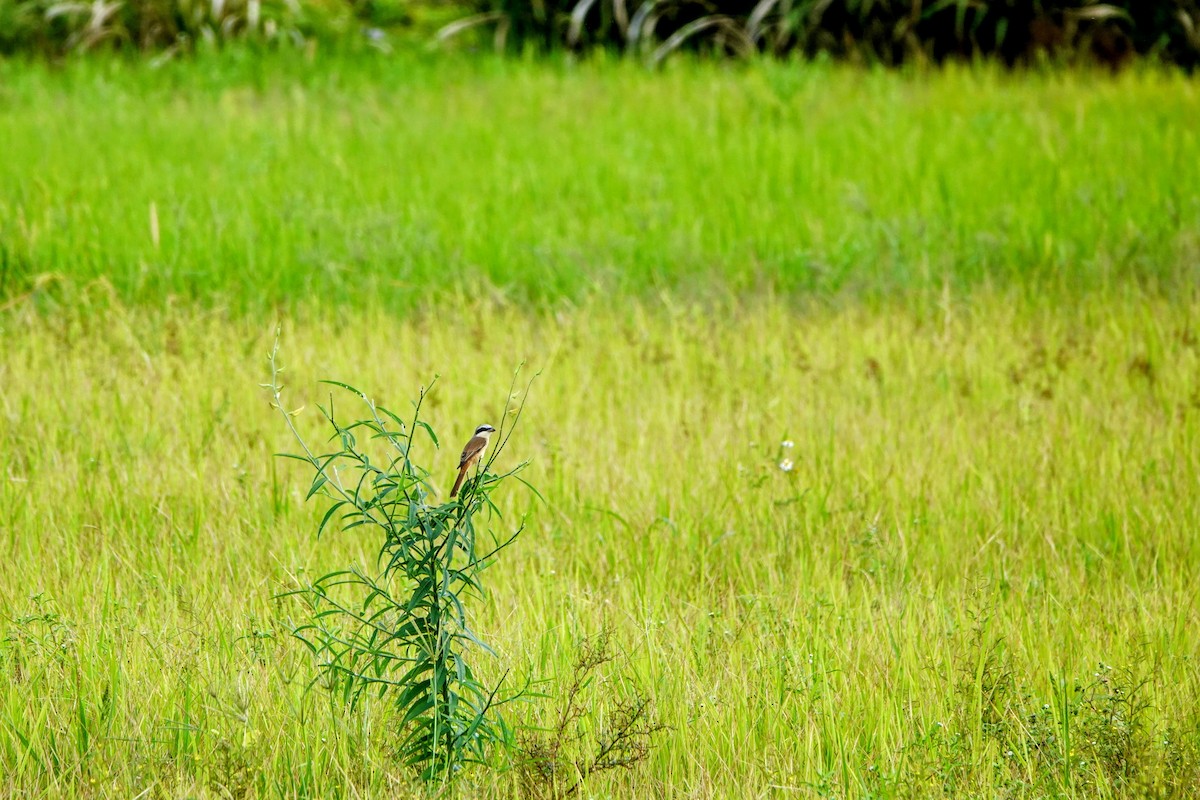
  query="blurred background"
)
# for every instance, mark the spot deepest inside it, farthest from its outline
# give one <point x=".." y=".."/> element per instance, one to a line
<point x="888" y="32"/>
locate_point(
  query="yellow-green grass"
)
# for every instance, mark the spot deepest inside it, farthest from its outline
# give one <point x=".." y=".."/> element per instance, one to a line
<point x="992" y="511"/>
<point x="251" y="182"/>
<point x="966" y="297"/>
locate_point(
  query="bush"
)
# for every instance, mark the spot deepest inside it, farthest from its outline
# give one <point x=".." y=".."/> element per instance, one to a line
<point x="890" y="32"/>
<point x="56" y="27"/>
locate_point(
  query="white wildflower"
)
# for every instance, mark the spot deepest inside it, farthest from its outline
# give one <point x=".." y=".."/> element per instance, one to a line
<point x="786" y="465"/>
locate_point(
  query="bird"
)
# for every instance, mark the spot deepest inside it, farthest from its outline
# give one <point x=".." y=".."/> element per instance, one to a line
<point x="471" y="454"/>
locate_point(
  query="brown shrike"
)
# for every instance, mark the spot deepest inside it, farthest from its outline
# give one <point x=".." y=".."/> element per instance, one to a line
<point x="471" y="454"/>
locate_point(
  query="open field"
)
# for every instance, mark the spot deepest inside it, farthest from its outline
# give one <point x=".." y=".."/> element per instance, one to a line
<point x="987" y="504"/>
<point x="963" y="298"/>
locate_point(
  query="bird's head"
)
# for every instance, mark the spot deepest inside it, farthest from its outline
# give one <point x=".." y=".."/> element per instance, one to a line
<point x="484" y="430"/>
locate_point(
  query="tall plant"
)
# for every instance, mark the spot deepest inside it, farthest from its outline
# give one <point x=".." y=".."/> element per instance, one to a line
<point x="402" y="631"/>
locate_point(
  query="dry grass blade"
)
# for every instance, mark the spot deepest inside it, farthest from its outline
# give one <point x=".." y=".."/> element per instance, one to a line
<point x="1189" y="27"/>
<point x="754" y="24"/>
<point x="741" y="43"/>
<point x="578" y="15"/>
<point x="63" y="9"/>
<point x="500" y="37"/>
<point x="447" y="32"/>
<point x="621" y="16"/>
<point x="638" y="26"/>
<point x="1097" y="12"/>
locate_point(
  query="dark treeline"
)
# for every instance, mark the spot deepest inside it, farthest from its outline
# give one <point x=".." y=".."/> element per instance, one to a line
<point x="890" y="32"/>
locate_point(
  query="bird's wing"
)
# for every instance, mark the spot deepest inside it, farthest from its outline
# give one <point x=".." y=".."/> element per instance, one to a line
<point x="473" y="449"/>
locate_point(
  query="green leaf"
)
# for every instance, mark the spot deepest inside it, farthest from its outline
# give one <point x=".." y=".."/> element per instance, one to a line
<point x="345" y="386"/>
<point x="463" y="633"/>
<point x="419" y="706"/>
<point x="318" y="482"/>
<point x="417" y="423"/>
<point x="294" y="457"/>
<point x="530" y="487"/>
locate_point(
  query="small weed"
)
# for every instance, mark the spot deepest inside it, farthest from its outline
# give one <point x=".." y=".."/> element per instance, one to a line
<point x="584" y="740"/>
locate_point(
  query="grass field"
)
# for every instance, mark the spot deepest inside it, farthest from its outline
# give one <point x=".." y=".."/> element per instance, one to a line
<point x="260" y="184"/>
<point x="964" y="298"/>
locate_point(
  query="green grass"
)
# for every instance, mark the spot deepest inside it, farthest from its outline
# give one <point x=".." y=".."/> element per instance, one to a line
<point x="976" y="580"/>
<point x="389" y="179"/>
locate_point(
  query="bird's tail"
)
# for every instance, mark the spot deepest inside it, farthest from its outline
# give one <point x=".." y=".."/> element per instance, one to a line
<point x="462" y="474"/>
